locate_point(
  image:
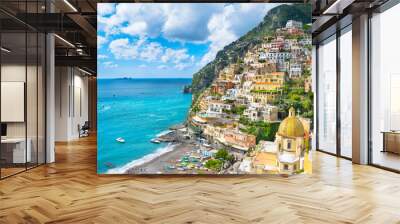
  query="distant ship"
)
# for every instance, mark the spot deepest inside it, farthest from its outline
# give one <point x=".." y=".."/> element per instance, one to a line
<point x="120" y="140"/>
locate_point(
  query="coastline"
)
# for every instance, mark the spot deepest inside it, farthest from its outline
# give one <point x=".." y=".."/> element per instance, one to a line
<point x="180" y="156"/>
<point x="164" y="156"/>
<point x="142" y="160"/>
<point x="146" y="112"/>
<point x="158" y="164"/>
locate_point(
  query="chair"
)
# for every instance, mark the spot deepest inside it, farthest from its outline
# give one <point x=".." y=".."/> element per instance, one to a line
<point x="84" y="130"/>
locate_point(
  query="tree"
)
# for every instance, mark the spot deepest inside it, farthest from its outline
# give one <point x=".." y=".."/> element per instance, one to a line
<point x="221" y="154"/>
<point x="224" y="155"/>
<point x="196" y="108"/>
<point x="244" y="120"/>
<point x="238" y="109"/>
<point x="214" y="164"/>
<point x="262" y="130"/>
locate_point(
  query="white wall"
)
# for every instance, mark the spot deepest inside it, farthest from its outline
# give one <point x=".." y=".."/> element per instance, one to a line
<point x="61" y="103"/>
<point x="14" y="72"/>
<point x="71" y="94"/>
<point x="80" y="110"/>
<point x="33" y="126"/>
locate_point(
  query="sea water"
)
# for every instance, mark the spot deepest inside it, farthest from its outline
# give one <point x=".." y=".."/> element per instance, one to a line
<point x="136" y="110"/>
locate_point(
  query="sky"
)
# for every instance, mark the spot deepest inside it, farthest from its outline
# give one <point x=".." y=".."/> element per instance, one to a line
<point x="160" y="40"/>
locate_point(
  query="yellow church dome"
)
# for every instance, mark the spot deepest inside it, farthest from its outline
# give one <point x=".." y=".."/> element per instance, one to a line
<point x="291" y="126"/>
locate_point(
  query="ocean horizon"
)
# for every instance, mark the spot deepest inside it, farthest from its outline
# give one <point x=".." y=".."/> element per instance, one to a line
<point x="137" y="110"/>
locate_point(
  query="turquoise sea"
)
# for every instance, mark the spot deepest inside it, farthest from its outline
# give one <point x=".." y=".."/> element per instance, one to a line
<point x="136" y="110"/>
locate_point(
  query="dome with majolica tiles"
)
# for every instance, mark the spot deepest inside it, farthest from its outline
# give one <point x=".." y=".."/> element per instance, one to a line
<point x="291" y="126"/>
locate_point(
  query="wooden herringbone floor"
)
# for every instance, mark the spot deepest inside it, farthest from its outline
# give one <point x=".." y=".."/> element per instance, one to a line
<point x="69" y="191"/>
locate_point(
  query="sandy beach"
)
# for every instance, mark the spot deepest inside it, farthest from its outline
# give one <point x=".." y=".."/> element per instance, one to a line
<point x="158" y="164"/>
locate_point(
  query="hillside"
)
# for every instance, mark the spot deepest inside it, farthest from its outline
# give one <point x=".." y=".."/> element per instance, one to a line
<point x="276" y="17"/>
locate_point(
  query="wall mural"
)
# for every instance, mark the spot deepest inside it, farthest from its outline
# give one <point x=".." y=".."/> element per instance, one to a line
<point x="204" y="88"/>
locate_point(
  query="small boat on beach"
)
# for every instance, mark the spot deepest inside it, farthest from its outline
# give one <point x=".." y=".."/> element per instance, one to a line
<point x="171" y="167"/>
<point x="156" y="141"/>
<point x="120" y="140"/>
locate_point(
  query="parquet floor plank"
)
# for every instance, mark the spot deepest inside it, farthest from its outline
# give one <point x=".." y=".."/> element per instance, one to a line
<point x="70" y="191"/>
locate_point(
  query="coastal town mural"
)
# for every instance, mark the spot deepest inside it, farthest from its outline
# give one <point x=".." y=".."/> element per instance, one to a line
<point x="173" y="104"/>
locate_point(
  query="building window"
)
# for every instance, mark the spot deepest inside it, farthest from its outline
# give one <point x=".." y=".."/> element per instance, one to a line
<point x="22" y="87"/>
<point x="285" y="166"/>
<point x="385" y="89"/>
<point x="289" y="144"/>
<point x="346" y="93"/>
<point x="326" y="103"/>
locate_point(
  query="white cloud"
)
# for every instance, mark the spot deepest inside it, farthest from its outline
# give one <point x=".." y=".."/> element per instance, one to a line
<point x="101" y="41"/>
<point x="142" y="49"/>
<point x="188" y="22"/>
<point x="228" y="25"/>
<point x="177" y="22"/>
<point x="214" y="24"/>
<point x="151" y="51"/>
<point x="135" y="28"/>
<point x="133" y="19"/>
<point x="102" y="56"/>
<point x="182" y="66"/>
<point x="162" y="67"/>
<point x="124" y="49"/>
<point x="109" y="64"/>
<point x="105" y="8"/>
<point x="175" y="56"/>
<point x="220" y="35"/>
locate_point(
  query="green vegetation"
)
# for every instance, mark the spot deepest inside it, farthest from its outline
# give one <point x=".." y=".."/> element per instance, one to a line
<point x="274" y="91"/>
<point x="229" y="101"/>
<point x="215" y="94"/>
<point x="220" y="158"/>
<point x="262" y="130"/>
<point x="214" y="164"/>
<point x="307" y="27"/>
<point x="196" y="108"/>
<point x="238" y="109"/>
<point x="226" y="111"/>
<point x="277" y="17"/>
<point x="299" y="171"/>
<point x="224" y="155"/>
<point x="244" y="120"/>
<point x="293" y="94"/>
